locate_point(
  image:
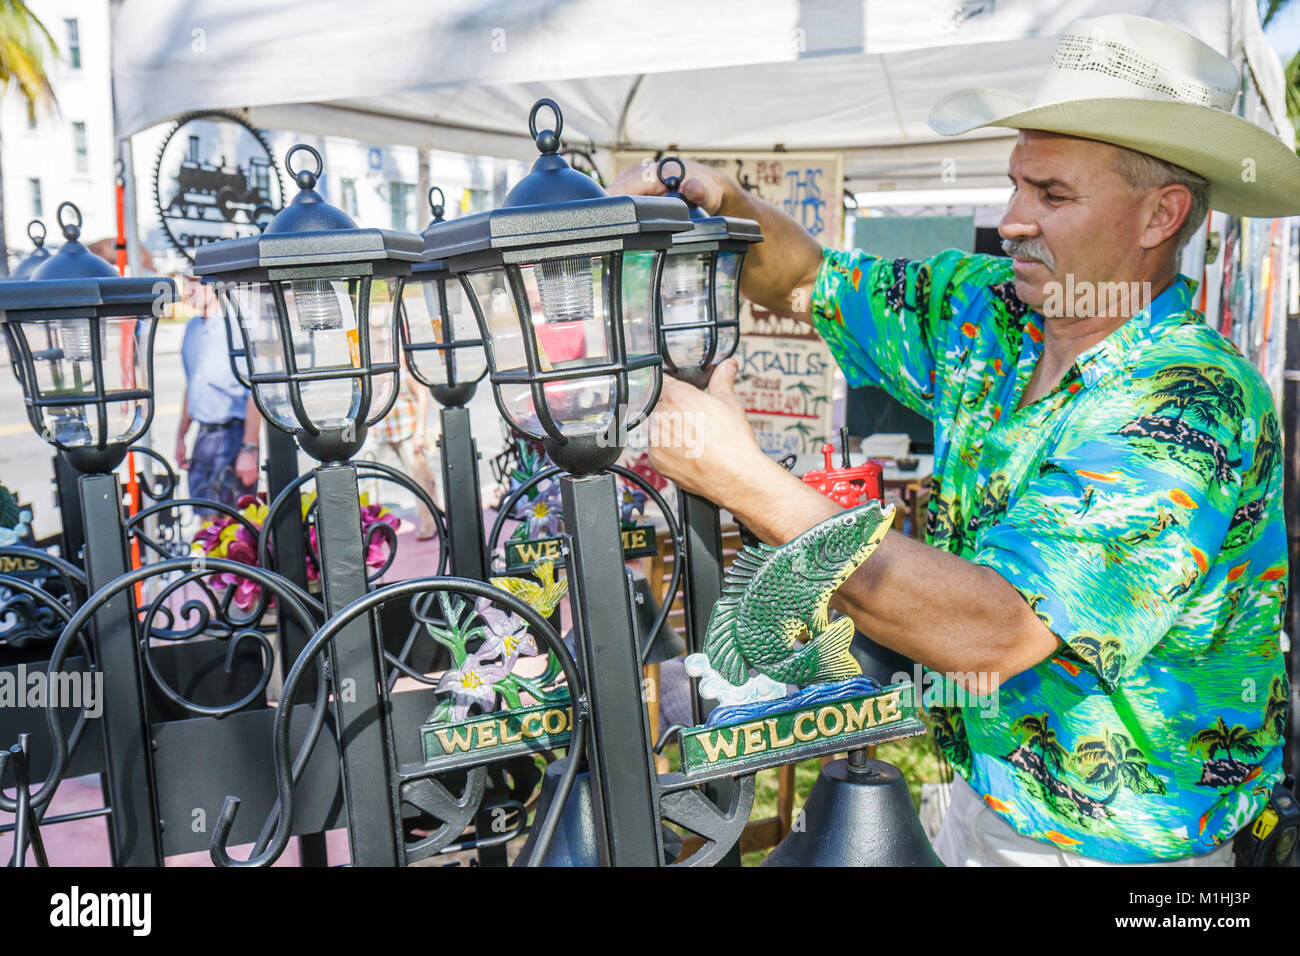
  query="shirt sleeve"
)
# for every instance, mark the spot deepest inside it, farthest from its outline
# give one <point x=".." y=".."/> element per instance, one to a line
<point x="1114" y="537"/>
<point x="888" y="321"/>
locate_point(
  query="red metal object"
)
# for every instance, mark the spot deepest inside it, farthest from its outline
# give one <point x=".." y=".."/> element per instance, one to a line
<point x="847" y="486"/>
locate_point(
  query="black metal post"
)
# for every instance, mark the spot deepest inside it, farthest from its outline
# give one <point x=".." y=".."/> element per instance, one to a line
<point x="702" y="530"/>
<point x="134" y="827"/>
<point x="460" y="489"/>
<point x="289" y="549"/>
<point x="288" y="544"/>
<point x="354" y="667"/>
<point x="464" y="507"/>
<point x="622" y="765"/>
<point x="72" y="530"/>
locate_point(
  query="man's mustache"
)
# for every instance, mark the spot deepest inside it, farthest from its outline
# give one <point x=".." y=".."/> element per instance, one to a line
<point x="1034" y="250"/>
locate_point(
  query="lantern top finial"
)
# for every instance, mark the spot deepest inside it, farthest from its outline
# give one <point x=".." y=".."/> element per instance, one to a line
<point x="437" y="208"/>
<point x="71" y="231"/>
<point x="73" y="260"/>
<point x="674" y="184"/>
<point x="40" y="254"/>
<point x="552" y="179"/>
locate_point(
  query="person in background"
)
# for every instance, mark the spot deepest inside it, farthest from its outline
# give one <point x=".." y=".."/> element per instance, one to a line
<point x="224" y="461"/>
<point x="400" y="439"/>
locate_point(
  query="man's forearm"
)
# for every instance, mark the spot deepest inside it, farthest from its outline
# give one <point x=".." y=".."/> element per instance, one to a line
<point x="779" y="271"/>
<point x="950" y="614"/>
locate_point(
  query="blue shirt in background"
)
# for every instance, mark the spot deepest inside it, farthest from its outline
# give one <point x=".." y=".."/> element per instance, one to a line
<point x="214" y="395"/>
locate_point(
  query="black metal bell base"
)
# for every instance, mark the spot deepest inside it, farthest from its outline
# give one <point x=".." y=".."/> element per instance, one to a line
<point x="454" y="396"/>
<point x="574" y="840"/>
<point x="333" y="444"/>
<point x="89" y="460"/>
<point x="584" y="454"/>
<point x="857" y="816"/>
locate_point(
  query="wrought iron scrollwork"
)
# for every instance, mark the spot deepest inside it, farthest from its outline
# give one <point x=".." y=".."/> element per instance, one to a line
<point x="36" y="607"/>
<point x="290" y="600"/>
<point x="156" y="485"/>
<point x="372" y="532"/>
<point x="507" y="507"/>
<point x="450" y="792"/>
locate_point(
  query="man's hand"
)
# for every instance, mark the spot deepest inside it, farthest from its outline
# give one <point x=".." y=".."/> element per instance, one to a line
<point x="702" y="185"/>
<point x="246" y="467"/>
<point x="701" y="440"/>
<point x="780" y="271"/>
<point x="182" y="458"/>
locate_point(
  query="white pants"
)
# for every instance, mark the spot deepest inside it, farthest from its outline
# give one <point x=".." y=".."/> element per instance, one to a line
<point x="973" y="835"/>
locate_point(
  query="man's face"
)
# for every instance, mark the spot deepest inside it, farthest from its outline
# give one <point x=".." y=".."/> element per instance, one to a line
<point x="1070" y="213"/>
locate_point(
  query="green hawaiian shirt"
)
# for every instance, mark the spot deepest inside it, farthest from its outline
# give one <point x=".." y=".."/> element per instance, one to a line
<point x="1137" y="509"/>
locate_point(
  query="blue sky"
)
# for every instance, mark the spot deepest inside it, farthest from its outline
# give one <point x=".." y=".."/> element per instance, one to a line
<point x="1284" y="32"/>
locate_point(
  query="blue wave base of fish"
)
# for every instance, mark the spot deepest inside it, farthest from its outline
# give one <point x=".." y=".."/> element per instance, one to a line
<point x="814" y="694"/>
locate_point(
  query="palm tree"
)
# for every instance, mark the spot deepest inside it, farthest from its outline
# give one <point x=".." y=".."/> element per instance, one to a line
<point x="1275" y="714"/>
<point x="1116" y="763"/>
<point x="1039" y="735"/>
<point x="1225" y="738"/>
<point x="805" y="392"/>
<point x="1268" y="9"/>
<point x="804" y="434"/>
<point x="24" y="43"/>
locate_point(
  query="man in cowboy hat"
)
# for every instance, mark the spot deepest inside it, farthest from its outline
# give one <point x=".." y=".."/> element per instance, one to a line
<point x="1105" y="533"/>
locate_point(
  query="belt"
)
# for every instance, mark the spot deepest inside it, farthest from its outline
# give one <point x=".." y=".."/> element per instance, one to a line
<point x="214" y="426"/>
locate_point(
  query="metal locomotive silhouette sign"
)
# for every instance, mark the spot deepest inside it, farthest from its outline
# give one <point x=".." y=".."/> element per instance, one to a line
<point x="214" y="178"/>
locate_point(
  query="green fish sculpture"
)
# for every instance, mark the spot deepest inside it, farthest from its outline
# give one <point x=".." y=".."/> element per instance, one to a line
<point x="773" y="614"/>
<point x="774" y="617"/>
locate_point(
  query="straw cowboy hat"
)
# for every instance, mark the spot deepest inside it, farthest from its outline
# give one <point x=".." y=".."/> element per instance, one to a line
<point x="1153" y="88"/>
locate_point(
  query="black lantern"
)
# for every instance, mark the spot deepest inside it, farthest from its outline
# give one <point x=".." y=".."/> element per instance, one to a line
<point x="316" y="299"/>
<point x="564" y="281"/>
<point x="440" y="336"/>
<point x="82" y="338"/>
<point x="39" y="253"/>
<point x="700" y="292"/>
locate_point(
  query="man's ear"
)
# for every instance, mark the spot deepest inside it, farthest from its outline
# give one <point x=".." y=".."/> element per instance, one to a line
<point x="1168" y="208"/>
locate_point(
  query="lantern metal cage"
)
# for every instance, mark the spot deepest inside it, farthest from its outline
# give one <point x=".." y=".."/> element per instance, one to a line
<point x="82" y="339"/>
<point x="320" y="364"/>
<point x="700" y="292"/>
<point x="440" y="337"/>
<point x="564" y="283"/>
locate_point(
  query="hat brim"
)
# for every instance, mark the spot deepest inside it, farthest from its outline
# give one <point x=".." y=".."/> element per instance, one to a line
<point x="1251" y="172"/>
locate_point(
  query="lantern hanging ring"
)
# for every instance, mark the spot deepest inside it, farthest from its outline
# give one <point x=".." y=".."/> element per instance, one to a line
<point x="548" y="141"/>
<point x="672" y="183"/>
<point x="304" y="178"/>
<point x="37" y="239"/>
<point x="70" y="230"/>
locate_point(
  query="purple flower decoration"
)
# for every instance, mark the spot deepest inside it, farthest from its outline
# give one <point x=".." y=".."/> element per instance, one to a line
<point x="542" y="514"/>
<point x="631" y="501"/>
<point x="471" y="684"/>
<point x="507" y="635"/>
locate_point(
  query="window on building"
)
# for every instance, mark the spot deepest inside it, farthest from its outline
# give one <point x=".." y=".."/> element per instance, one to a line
<point x="401" y="198"/>
<point x="348" y="196"/>
<point x="37" y="207"/>
<point x="81" y="161"/>
<point x="74" y="44"/>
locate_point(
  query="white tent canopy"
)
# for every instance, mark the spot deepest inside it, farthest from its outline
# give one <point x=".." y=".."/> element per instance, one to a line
<point x="460" y="75"/>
